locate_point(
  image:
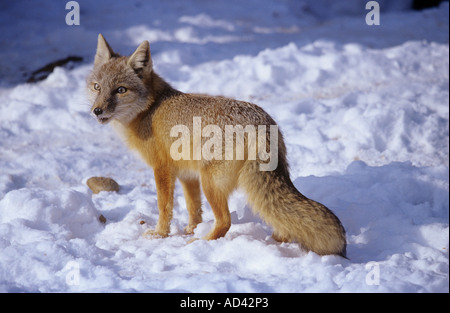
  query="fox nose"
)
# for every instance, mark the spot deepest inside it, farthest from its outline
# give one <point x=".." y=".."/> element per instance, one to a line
<point x="98" y="111"/>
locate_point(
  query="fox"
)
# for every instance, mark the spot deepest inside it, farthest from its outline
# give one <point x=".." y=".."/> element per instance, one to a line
<point x="146" y="111"/>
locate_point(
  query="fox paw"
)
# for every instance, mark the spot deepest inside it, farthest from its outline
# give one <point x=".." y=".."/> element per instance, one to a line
<point x="280" y="238"/>
<point x="153" y="234"/>
<point x="189" y="230"/>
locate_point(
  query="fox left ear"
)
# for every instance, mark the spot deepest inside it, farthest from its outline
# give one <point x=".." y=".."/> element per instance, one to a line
<point x="141" y="58"/>
<point x="104" y="51"/>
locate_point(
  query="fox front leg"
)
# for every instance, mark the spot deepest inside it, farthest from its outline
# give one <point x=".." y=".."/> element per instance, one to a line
<point x="165" y="185"/>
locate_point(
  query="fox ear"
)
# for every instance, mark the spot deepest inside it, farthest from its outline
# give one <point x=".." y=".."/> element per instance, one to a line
<point x="104" y="51"/>
<point x="141" y="58"/>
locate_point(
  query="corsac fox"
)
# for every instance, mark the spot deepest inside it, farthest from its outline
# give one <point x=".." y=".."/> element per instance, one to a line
<point x="215" y="144"/>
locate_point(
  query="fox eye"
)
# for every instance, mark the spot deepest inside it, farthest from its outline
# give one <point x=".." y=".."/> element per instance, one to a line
<point x="121" y="89"/>
<point x="96" y="86"/>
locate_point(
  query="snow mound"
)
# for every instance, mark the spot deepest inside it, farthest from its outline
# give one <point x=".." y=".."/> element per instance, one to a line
<point x="43" y="233"/>
<point x="64" y="212"/>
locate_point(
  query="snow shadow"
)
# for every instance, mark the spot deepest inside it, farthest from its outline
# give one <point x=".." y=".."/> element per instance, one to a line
<point x="386" y="210"/>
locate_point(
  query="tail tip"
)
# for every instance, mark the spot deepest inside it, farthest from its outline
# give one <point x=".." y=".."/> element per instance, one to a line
<point x="343" y="253"/>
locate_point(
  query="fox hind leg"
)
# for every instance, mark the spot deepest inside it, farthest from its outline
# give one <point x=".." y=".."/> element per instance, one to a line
<point x="218" y="199"/>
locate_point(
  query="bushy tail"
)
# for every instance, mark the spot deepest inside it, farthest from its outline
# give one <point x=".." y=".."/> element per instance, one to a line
<point x="293" y="216"/>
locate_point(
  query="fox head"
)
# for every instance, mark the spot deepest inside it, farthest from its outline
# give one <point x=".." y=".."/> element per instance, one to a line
<point x="117" y="87"/>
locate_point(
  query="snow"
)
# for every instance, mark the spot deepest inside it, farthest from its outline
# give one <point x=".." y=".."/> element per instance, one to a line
<point x="363" y="109"/>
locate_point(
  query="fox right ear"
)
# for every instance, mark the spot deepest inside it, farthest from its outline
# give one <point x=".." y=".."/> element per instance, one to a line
<point x="141" y="59"/>
<point x="104" y="52"/>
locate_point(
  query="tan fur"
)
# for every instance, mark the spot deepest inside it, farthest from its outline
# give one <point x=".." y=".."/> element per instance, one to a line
<point x="146" y="113"/>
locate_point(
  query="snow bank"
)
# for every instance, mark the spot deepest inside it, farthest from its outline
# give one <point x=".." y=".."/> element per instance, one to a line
<point x="65" y="212"/>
